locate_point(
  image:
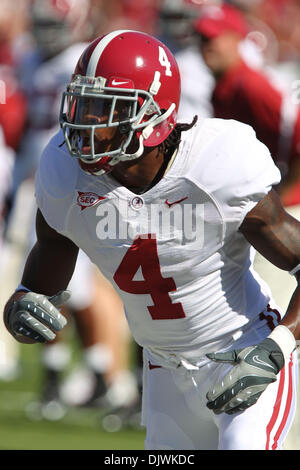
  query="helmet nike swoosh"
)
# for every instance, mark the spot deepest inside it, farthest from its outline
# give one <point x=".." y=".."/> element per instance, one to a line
<point x="114" y="82"/>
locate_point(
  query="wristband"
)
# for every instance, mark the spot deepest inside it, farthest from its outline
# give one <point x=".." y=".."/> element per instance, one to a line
<point x="285" y="340"/>
<point x="21" y="287"/>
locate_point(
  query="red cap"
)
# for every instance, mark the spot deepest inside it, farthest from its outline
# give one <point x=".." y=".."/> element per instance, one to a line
<point x="215" y="20"/>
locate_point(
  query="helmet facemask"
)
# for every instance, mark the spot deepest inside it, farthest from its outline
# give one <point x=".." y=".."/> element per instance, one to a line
<point x="89" y="106"/>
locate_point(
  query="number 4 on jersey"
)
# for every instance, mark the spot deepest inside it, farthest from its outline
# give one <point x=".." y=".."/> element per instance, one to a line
<point x="143" y="254"/>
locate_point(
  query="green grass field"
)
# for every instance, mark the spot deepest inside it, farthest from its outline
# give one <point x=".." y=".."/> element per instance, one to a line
<point x="79" y="429"/>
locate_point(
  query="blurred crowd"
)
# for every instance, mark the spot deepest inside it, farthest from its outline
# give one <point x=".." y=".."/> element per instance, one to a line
<point x="238" y="59"/>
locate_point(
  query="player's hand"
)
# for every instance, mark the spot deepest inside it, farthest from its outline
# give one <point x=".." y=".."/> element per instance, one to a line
<point x="255" y="367"/>
<point x="34" y="318"/>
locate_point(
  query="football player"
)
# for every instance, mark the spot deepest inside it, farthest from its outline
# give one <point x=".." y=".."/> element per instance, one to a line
<point x="60" y="30"/>
<point x="169" y="212"/>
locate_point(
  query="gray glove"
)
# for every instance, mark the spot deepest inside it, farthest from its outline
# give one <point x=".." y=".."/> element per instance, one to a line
<point x="35" y="316"/>
<point x="255" y="368"/>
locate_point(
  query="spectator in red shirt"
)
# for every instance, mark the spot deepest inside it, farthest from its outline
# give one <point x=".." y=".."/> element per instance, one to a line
<point x="247" y="95"/>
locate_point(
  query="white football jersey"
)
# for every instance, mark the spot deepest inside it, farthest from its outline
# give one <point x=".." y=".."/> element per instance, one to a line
<point x="43" y="84"/>
<point x="197" y="85"/>
<point x="174" y="253"/>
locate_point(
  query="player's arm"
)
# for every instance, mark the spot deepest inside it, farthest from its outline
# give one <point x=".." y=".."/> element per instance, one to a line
<point x="276" y="235"/>
<point x="34" y="316"/>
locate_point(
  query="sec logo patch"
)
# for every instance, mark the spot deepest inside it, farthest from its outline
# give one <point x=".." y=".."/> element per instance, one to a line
<point x="85" y="200"/>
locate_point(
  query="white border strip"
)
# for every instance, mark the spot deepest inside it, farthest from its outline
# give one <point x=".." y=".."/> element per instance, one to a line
<point x="97" y="52"/>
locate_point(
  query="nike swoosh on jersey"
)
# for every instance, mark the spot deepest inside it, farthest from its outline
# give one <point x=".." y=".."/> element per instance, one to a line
<point x="262" y="363"/>
<point x="170" y="204"/>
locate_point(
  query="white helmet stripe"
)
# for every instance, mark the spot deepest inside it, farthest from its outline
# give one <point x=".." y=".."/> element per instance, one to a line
<point x="97" y="52"/>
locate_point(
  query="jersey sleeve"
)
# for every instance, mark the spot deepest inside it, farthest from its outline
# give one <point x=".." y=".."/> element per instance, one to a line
<point x="238" y="171"/>
<point x="55" y="182"/>
<point x="252" y="174"/>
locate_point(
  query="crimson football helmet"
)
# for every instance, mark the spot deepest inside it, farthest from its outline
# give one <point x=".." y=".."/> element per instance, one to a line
<point x="125" y="80"/>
